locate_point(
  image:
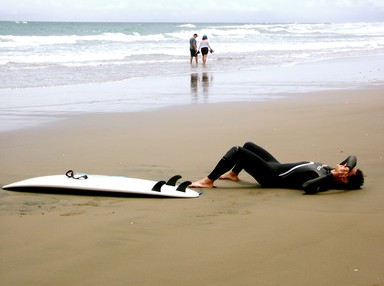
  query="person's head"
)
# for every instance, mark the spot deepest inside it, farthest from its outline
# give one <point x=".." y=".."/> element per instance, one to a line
<point x="205" y="37"/>
<point x="195" y="36"/>
<point x="353" y="180"/>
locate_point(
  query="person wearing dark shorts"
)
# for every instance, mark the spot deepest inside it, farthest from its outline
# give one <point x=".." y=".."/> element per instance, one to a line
<point x="204" y="51"/>
<point x="193" y="49"/>
<point x="205" y="48"/>
<point x="312" y="177"/>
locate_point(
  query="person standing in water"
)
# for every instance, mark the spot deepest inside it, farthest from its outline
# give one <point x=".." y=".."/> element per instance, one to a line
<point x="205" y="47"/>
<point x="193" y="48"/>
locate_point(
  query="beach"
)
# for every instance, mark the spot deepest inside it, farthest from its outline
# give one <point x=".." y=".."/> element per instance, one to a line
<point x="121" y="99"/>
<point x="235" y="234"/>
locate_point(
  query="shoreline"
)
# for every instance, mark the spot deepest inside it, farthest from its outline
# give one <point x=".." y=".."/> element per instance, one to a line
<point x="28" y="107"/>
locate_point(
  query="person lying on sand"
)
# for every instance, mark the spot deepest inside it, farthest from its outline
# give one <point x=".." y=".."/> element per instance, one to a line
<point x="312" y="177"/>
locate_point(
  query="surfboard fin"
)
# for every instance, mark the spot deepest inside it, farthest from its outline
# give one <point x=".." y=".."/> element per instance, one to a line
<point x="182" y="187"/>
<point x="158" y="185"/>
<point x="172" y="181"/>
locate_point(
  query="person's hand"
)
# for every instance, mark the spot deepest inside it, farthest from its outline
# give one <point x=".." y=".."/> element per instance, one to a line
<point x="340" y="173"/>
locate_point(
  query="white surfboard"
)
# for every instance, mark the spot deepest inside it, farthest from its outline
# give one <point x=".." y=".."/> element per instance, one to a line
<point x="107" y="184"/>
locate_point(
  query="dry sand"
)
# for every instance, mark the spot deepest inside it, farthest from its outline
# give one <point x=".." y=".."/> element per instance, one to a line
<point x="236" y="234"/>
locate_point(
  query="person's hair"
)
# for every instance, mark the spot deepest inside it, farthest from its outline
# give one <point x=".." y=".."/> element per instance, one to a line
<point x="356" y="181"/>
<point x="205" y="37"/>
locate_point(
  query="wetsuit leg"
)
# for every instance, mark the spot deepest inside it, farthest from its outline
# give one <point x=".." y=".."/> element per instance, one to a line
<point x="257" y="150"/>
<point x="263" y="171"/>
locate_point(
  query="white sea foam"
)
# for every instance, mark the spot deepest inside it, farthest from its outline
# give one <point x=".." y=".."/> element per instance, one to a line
<point x="187" y="26"/>
<point x="126" y="50"/>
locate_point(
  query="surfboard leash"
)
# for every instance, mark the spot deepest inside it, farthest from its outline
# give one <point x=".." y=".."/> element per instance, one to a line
<point x="71" y="174"/>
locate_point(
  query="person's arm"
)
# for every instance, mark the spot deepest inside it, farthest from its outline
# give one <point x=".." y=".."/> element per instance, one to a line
<point x="195" y="45"/>
<point x="351" y="162"/>
<point x="210" y="49"/>
<point x="319" y="184"/>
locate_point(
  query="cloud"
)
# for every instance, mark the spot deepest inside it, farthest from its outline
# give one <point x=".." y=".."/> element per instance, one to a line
<point x="194" y="11"/>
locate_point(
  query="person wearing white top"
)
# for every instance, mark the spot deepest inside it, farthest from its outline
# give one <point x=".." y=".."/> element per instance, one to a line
<point x="205" y="47"/>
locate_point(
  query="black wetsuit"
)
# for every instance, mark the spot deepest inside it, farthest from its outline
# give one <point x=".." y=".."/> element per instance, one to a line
<point x="312" y="177"/>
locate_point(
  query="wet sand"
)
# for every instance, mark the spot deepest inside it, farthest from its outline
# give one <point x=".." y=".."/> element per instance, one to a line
<point x="236" y="234"/>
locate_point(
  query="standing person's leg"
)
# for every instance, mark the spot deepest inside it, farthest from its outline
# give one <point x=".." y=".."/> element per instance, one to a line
<point x="204" y="52"/>
<point x="191" y="57"/>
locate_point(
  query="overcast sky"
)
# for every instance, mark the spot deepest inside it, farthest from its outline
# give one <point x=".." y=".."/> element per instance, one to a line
<point x="193" y="11"/>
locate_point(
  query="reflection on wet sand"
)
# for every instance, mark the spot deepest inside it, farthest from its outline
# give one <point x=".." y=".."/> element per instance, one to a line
<point x="200" y="84"/>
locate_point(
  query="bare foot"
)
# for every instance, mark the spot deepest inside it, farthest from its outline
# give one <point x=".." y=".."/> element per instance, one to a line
<point x="230" y="176"/>
<point x="204" y="183"/>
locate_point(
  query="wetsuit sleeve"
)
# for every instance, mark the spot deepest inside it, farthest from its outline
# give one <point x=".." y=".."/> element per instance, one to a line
<point x="351" y="162"/>
<point x="319" y="184"/>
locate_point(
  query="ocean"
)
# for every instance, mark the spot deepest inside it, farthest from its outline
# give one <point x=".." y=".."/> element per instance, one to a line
<point x="41" y="54"/>
<point x="50" y="70"/>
